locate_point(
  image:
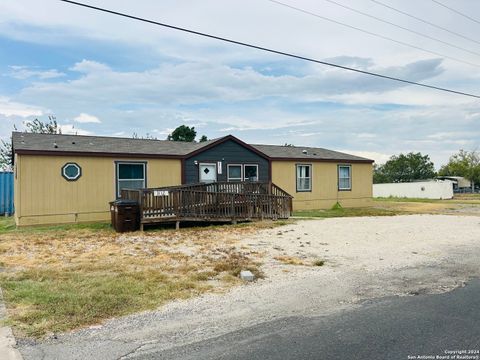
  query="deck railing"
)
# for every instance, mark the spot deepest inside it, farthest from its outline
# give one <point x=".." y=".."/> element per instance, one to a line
<point x="212" y="201"/>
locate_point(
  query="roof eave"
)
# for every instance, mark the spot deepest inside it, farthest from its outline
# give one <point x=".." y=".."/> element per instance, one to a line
<point x="97" y="154"/>
<point x="361" y="161"/>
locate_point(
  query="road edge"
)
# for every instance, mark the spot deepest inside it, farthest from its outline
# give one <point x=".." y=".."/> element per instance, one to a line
<point x="7" y="340"/>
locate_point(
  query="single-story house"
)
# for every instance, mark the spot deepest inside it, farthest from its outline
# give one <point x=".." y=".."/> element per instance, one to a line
<point x="72" y="178"/>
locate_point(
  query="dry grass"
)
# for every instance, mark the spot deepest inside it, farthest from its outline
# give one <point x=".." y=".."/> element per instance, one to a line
<point x="61" y="278"/>
<point x="347" y="212"/>
<point x="289" y="260"/>
<point x="464" y="204"/>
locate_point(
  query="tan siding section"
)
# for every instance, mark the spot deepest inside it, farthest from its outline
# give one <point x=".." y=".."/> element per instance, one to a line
<point x="324" y="192"/>
<point x="43" y="196"/>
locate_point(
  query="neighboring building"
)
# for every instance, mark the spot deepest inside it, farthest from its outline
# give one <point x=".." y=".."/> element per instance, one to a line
<point x="71" y="178"/>
<point x="418" y="189"/>
<point x="6" y="193"/>
<point x="459" y="183"/>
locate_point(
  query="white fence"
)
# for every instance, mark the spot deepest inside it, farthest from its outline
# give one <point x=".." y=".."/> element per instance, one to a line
<point x="421" y="190"/>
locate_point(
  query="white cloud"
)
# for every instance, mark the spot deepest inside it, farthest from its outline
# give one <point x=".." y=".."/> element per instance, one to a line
<point x="24" y="72"/>
<point x="366" y="135"/>
<point x="86" y="118"/>
<point x="88" y="66"/>
<point x="380" y="158"/>
<point x="12" y="108"/>
<point x="72" y="130"/>
<point x="193" y="83"/>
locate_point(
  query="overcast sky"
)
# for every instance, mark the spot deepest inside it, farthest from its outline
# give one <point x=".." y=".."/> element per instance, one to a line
<point x="105" y="75"/>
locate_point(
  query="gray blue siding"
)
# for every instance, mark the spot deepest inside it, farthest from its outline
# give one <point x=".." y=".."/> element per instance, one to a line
<point x="228" y="152"/>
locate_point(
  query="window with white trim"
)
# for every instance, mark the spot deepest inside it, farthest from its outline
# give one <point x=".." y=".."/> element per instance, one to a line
<point x="71" y="171"/>
<point x="344" y="177"/>
<point x="304" y="177"/>
<point x="250" y="172"/>
<point x="130" y="175"/>
<point x="234" y="172"/>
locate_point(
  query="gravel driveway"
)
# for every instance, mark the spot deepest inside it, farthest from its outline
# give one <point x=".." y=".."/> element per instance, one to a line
<point x="365" y="258"/>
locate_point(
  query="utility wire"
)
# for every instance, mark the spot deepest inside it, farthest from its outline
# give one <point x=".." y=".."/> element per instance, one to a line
<point x="456" y="11"/>
<point x="371" y="33"/>
<point x="425" y="21"/>
<point x="402" y="27"/>
<point x="271" y="50"/>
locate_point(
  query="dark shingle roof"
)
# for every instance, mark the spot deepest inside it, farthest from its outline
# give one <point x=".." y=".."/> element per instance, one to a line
<point x="28" y="142"/>
<point x="102" y="144"/>
<point x="305" y="153"/>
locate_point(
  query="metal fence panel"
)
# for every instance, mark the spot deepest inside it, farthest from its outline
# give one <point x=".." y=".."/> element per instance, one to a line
<point x="6" y="193"/>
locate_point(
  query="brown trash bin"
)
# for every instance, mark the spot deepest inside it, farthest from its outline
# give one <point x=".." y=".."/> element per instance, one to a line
<point x="125" y="215"/>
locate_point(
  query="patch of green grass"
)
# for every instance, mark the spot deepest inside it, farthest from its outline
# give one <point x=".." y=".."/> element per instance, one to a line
<point x="337" y="206"/>
<point x="346" y="212"/>
<point x="456" y="200"/>
<point x="405" y="199"/>
<point x="318" y="263"/>
<point x="7" y="224"/>
<point x="51" y="301"/>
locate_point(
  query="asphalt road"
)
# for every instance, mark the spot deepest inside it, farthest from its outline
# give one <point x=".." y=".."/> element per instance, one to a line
<point x="392" y="328"/>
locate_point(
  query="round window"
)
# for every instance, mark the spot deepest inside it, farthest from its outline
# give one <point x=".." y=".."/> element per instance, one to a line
<point x="71" y="171"/>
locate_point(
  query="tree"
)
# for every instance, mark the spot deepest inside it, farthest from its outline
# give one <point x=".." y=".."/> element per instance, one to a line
<point x="38" y="127"/>
<point x="183" y="133"/>
<point x="465" y="164"/>
<point x="203" y="138"/>
<point x="6" y="154"/>
<point x="35" y="126"/>
<point x="404" y="168"/>
<point x="147" y="136"/>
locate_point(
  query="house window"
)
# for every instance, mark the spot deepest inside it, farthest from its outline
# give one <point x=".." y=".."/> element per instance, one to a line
<point x="130" y="175"/>
<point x="250" y="172"/>
<point x="304" y="178"/>
<point x="71" y="171"/>
<point x="234" y="172"/>
<point x="344" y="177"/>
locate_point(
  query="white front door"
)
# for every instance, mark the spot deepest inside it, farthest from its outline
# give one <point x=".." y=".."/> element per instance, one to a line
<point x="208" y="172"/>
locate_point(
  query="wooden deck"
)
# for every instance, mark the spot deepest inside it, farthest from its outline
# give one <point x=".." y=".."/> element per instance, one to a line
<point x="219" y="201"/>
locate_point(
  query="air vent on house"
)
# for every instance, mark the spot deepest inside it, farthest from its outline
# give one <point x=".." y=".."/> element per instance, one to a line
<point x="55" y="145"/>
<point x="304" y="152"/>
<point x="73" y="142"/>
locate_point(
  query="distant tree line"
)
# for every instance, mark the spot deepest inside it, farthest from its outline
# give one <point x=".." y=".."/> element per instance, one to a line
<point x="415" y="166"/>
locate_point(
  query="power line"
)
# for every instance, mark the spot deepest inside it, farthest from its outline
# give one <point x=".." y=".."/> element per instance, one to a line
<point x="402" y="27"/>
<point x="271" y="50"/>
<point x="372" y="33"/>
<point x="456" y="11"/>
<point x="424" y="21"/>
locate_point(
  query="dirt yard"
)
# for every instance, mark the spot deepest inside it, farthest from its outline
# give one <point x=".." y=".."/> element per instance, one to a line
<point x="364" y="258"/>
<point x="56" y="279"/>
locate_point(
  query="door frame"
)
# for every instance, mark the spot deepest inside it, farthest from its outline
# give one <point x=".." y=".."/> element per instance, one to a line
<point x="207" y="163"/>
